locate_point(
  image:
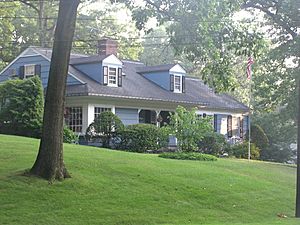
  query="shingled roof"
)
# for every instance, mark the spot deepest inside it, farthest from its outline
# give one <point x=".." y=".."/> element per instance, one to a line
<point x="136" y="86"/>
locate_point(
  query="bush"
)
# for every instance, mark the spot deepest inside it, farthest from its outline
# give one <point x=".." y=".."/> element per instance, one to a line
<point x="188" y="156"/>
<point x="213" y="143"/>
<point x="142" y="137"/>
<point x="69" y="136"/>
<point x="258" y="137"/>
<point x="241" y="151"/>
<point x="188" y="128"/>
<point x="21" y="107"/>
<point x="105" y="126"/>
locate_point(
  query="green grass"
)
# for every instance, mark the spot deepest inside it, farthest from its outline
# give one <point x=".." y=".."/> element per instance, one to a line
<point x="112" y="187"/>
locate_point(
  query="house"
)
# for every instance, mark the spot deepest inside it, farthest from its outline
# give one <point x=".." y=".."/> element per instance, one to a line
<point x="135" y="92"/>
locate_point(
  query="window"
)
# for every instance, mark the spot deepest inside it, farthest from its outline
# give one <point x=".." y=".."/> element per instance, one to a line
<point x="99" y="110"/>
<point x="74" y="118"/>
<point x="147" y="116"/>
<point x="29" y="70"/>
<point x="177" y="84"/>
<point x="112" y="76"/>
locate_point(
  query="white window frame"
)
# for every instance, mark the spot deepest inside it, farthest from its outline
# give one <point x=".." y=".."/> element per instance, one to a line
<point x="74" y="121"/>
<point x="180" y="78"/>
<point x="108" y="76"/>
<point x="32" y="67"/>
<point x="103" y="109"/>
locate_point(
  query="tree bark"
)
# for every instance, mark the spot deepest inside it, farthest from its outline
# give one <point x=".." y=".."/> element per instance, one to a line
<point x="49" y="163"/>
<point x="298" y="158"/>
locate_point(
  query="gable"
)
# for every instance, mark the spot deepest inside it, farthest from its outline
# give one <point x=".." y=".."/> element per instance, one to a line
<point x="177" y="69"/>
<point x="28" y="59"/>
<point x="112" y="60"/>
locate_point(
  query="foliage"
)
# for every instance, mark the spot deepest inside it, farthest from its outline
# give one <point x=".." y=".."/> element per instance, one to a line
<point x="213" y="143"/>
<point x="105" y="125"/>
<point x="281" y="133"/>
<point x="21" y="107"/>
<point x="142" y="137"/>
<point x="207" y="35"/>
<point x="241" y="151"/>
<point x="188" y="156"/>
<point x="69" y="136"/>
<point x="188" y="128"/>
<point x="258" y="137"/>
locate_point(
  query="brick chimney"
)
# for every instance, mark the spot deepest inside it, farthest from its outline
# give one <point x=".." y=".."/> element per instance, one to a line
<point x="107" y="47"/>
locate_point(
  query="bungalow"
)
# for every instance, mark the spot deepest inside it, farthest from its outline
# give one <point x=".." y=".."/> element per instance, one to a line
<point x="135" y="92"/>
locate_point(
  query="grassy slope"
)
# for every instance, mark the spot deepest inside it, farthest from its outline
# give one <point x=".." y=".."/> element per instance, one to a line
<point x="111" y="187"/>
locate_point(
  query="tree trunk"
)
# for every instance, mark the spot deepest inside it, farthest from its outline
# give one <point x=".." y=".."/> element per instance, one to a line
<point x="42" y="29"/>
<point x="298" y="158"/>
<point x="49" y="163"/>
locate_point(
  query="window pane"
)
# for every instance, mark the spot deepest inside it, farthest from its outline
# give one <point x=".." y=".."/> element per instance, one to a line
<point x="29" y="70"/>
<point x="177" y="83"/>
<point x="112" y="76"/>
<point x="99" y="110"/>
<point x="74" y="118"/>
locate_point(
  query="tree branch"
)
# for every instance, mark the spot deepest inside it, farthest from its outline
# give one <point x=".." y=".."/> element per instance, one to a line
<point x="276" y="18"/>
<point x="30" y="5"/>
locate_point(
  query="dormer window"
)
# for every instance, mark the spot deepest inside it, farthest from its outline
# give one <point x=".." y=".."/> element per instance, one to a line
<point x="112" y="76"/>
<point x="177" y="84"/>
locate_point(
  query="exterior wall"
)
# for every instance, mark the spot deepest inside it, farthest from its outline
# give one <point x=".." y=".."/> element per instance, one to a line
<point x="93" y="70"/>
<point x="37" y="59"/>
<point x="128" y="116"/>
<point x="128" y="110"/>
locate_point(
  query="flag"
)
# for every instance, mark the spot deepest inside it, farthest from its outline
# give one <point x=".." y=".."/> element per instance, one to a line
<point x="250" y="62"/>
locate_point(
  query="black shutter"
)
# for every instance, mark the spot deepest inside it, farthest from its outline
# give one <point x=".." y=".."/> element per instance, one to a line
<point x="120" y="77"/>
<point x="171" y="82"/>
<point x="183" y="84"/>
<point x="215" y="122"/>
<point x="105" y="75"/>
<point x="37" y="70"/>
<point x="22" y="72"/>
<point x="241" y="127"/>
<point x="229" y="126"/>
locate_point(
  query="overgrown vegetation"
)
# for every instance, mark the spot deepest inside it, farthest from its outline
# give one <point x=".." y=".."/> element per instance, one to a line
<point x="214" y="144"/>
<point x="240" y="151"/>
<point x="142" y="137"/>
<point x="188" y="156"/>
<point x="188" y="128"/>
<point x="21" y="107"/>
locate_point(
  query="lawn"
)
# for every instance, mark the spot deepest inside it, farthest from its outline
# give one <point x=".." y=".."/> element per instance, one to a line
<point x="113" y="187"/>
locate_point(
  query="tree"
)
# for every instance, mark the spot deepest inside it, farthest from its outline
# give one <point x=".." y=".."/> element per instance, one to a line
<point x="105" y="125"/>
<point x="207" y="35"/>
<point x="49" y="163"/>
<point x="21" y="107"/>
<point x="283" y="81"/>
<point x="188" y="128"/>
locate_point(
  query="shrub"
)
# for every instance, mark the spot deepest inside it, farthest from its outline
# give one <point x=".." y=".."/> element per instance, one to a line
<point x="188" y="128"/>
<point x="21" y="107"/>
<point x="258" y="137"/>
<point x="188" y="156"/>
<point x="105" y="126"/>
<point x="213" y="143"/>
<point x="69" y="136"/>
<point x="142" y="137"/>
<point x="241" y="151"/>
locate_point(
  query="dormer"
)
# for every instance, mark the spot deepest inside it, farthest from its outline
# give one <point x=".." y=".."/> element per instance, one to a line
<point x="171" y="77"/>
<point x="104" y="68"/>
